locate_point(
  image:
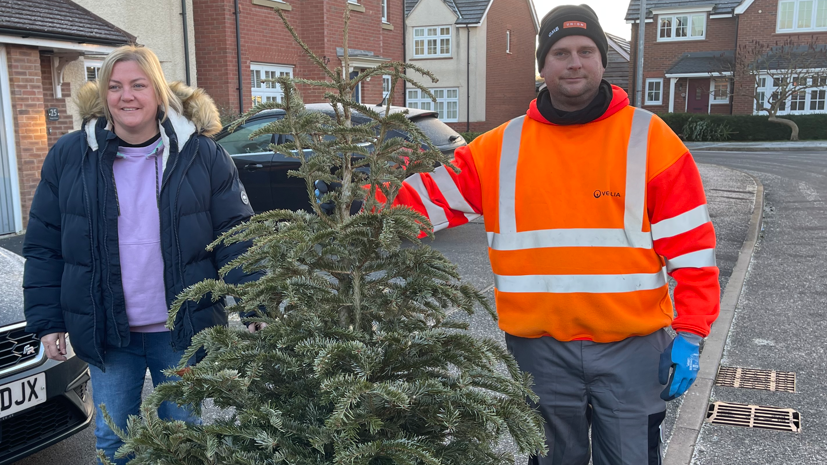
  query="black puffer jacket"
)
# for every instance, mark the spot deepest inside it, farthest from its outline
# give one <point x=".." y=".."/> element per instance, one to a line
<point x="72" y="279"/>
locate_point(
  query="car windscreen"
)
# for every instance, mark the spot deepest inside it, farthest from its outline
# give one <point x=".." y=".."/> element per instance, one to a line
<point x="439" y="133"/>
<point x="239" y="142"/>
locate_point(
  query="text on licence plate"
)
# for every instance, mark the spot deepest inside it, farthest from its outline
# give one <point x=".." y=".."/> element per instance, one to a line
<point x="22" y="394"/>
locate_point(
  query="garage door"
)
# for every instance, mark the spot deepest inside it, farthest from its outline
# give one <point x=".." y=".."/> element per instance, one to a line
<point x="6" y="192"/>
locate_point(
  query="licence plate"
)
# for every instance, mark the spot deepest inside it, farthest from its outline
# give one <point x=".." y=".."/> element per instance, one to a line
<point x="22" y="394"/>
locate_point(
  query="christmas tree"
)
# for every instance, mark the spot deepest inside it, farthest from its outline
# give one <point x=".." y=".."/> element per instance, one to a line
<point x="358" y="362"/>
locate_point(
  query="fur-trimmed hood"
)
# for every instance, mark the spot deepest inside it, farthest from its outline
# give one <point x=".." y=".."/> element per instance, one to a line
<point x="200" y="114"/>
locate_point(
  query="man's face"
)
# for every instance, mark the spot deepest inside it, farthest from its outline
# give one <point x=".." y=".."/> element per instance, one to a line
<point x="573" y="70"/>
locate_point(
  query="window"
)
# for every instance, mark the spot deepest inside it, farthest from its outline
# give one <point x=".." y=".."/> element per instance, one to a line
<point x="683" y="27"/>
<point x="817" y="98"/>
<point x="384" y="11"/>
<point x="762" y="96"/>
<point x="93" y="69"/>
<point x="798" y="101"/>
<point x="386" y="87"/>
<point x="653" y="91"/>
<point x="433" y="41"/>
<point x="447" y="102"/>
<point x="802" y="15"/>
<point x="720" y="91"/>
<point x="264" y="91"/>
<point x="802" y="102"/>
<point x="508" y="41"/>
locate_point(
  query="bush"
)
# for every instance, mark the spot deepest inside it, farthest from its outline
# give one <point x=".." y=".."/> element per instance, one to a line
<point x="469" y="136"/>
<point x="752" y="127"/>
<point x="698" y="129"/>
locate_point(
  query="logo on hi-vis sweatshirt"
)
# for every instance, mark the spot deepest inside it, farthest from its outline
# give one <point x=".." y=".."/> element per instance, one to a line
<point x="599" y="193"/>
<point x="579" y="24"/>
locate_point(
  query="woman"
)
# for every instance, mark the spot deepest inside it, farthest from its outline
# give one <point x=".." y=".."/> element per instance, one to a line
<point x="118" y="227"/>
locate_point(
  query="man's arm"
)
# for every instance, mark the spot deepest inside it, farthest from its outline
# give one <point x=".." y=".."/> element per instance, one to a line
<point x="684" y="236"/>
<point x="448" y="199"/>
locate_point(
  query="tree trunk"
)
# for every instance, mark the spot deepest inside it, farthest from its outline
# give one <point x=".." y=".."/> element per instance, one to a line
<point x="786" y="122"/>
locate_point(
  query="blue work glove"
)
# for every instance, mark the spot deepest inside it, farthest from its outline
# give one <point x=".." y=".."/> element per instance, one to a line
<point x="323" y="188"/>
<point x="679" y="365"/>
<point x="329" y="207"/>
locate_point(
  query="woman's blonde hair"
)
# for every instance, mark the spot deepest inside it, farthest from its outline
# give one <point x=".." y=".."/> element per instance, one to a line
<point x="149" y="64"/>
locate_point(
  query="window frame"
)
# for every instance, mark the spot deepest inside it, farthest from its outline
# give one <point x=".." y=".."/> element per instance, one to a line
<point x="659" y="101"/>
<point x="673" y="26"/>
<point x="439" y="37"/>
<point x="419" y="98"/>
<point x="267" y="94"/>
<point x="713" y="97"/>
<point x="795" y="16"/>
<point x="96" y="64"/>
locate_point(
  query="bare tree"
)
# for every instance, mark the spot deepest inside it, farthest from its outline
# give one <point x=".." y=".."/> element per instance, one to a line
<point x="779" y="75"/>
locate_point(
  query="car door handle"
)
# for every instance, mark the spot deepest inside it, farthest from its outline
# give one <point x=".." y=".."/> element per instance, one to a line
<point x="253" y="166"/>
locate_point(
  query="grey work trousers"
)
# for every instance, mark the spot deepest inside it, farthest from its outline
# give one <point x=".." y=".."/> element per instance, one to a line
<point x="611" y="387"/>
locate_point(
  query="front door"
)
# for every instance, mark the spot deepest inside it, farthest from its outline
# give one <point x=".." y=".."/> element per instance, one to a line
<point x="697" y="99"/>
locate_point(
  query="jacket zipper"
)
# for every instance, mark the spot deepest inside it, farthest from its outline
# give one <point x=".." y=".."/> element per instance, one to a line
<point x="92" y="234"/>
<point x="175" y="230"/>
<point x="106" y="240"/>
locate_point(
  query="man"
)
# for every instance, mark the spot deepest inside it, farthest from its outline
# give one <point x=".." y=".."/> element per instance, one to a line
<point x="588" y="203"/>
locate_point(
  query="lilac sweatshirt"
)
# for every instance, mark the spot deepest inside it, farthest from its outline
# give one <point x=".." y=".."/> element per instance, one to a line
<point x="138" y="175"/>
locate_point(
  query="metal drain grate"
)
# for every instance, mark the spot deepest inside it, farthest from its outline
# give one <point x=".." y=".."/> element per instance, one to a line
<point x="767" y="380"/>
<point x="754" y="416"/>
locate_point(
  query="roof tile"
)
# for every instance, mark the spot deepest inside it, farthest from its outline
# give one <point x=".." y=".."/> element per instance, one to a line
<point x="49" y="18"/>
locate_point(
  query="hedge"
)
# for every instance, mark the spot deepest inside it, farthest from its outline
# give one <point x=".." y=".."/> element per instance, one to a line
<point x="752" y="127"/>
<point x="469" y="136"/>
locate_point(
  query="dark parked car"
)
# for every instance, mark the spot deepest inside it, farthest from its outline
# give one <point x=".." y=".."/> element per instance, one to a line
<point x="264" y="173"/>
<point x="41" y="401"/>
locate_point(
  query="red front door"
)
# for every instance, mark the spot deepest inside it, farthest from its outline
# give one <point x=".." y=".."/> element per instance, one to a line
<point x="697" y="97"/>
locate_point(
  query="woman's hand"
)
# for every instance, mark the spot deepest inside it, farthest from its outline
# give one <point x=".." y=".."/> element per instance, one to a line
<point x="55" y="345"/>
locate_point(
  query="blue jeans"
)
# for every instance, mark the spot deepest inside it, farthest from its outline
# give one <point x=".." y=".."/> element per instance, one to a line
<point x="119" y="387"/>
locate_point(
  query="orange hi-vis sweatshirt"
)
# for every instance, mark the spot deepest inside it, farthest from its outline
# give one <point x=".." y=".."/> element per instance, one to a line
<point x="583" y="223"/>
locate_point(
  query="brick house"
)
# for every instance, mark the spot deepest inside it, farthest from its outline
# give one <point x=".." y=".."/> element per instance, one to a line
<point x="691" y="47"/>
<point x="231" y="70"/>
<point x="482" y="52"/>
<point x="41" y="43"/>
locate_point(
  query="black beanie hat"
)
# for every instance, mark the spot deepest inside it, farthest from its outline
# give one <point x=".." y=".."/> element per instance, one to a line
<point x="570" y="20"/>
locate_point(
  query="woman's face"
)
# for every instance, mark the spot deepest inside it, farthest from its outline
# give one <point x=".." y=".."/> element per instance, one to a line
<point x="132" y="103"/>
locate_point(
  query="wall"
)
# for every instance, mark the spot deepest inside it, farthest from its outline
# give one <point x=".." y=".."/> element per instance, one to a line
<point x="453" y="71"/>
<point x="156" y="24"/>
<point x="617" y="70"/>
<point x="28" y="114"/>
<point x="510" y="86"/>
<point x="264" y="39"/>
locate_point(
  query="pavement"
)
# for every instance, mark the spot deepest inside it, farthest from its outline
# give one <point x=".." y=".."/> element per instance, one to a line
<point x="735" y="208"/>
<point x="764" y="146"/>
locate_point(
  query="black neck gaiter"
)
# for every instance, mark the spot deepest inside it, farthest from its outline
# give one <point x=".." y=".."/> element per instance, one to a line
<point x="591" y="112"/>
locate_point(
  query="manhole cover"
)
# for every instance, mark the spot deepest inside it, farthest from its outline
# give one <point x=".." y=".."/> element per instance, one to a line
<point x="754" y="416"/>
<point x="767" y="380"/>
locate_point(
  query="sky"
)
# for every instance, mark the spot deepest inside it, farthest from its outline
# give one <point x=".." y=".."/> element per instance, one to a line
<point x="609" y="12"/>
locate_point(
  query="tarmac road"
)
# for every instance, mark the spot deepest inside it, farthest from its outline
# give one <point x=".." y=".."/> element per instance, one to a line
<point x="730" y="195"/>
<point x="780" y="321"/>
